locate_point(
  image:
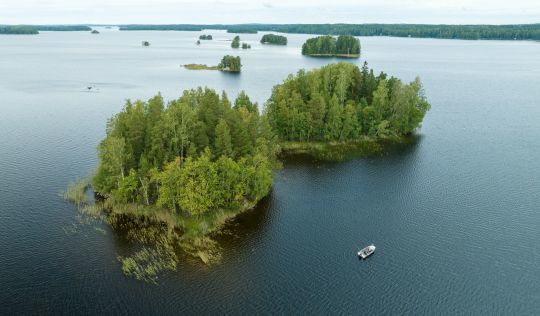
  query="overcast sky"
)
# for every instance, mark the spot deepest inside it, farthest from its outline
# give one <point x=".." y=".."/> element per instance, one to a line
<point x="268" y="11"/>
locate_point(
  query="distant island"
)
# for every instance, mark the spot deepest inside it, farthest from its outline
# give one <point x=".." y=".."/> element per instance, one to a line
<point x="145" y="43"/>
<point x="235" y="42"/>
<point x="34" y="29"/>
<point x="354" y="109"/>
<point x="328" y="46"/>
<point x="246" y="46"/>
<point x="95" y="32"/>
<point x="228" y="64"/>
<point x="468" y="32"/>
<point x="206" y="37"/>
<point x="274" y="39"/>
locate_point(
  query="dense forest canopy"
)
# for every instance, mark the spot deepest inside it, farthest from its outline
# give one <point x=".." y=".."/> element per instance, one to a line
<point x="198" y="154"/>
<point x="63" y="28"/>
<point x="341" y="102"/>
<point x="230" y="63"/>
<point x="34" y="29"/>
<point x="241" y="29"/>
<point x="18" y="29"/>
<point x="326" y="45"/>
<point x="472" y="32"/>
<point x="274" y="39"/>
<point x="235" y="42"/>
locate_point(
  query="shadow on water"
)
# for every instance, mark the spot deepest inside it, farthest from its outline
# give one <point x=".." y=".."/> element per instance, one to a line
<point x="248" y="226"/>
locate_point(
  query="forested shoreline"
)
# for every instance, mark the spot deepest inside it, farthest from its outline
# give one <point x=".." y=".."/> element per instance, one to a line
<point x="443" y="31"/>
<point x="34" y="29"/>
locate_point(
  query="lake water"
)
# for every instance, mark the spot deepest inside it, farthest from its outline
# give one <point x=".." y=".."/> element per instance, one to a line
<point x="455" y="215"/>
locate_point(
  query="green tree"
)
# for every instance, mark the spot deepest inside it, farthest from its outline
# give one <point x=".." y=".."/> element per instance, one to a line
<point x="223" y="144"/>
<point x="235" y="42"/>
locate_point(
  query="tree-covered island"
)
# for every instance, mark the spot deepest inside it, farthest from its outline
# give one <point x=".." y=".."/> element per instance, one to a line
<point x="228" y="64"/>
<point x="205" y="37"/>
<point x="172" y="175"/>
<point x="328" y="46"/>
<point x="235" y="42"/>
<point x="343" y="105"/>
<point x="274" y="39"/>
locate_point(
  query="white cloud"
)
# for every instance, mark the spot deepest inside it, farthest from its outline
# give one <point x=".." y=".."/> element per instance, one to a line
<point x="266" y="11"/>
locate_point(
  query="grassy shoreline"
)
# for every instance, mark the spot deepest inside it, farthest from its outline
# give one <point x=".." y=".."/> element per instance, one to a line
<point x="200" y="67"/>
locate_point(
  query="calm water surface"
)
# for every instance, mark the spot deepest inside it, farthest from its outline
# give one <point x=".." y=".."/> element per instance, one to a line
<point x="455" y="215"/>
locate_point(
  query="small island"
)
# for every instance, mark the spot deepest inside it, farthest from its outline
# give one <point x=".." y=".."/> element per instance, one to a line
<point x="228" y="64"/>
<point x="145" y="43"/>
<point x="177" y="173"/>
<point x="246" y="46"/>
<point x="341" y="106"/>
<point x="328" y="46"/>
<point x="274" y="39"/>
<point x="95" y="32"/>
<point x="235" y="42"/>
<point x="205" y="37"/>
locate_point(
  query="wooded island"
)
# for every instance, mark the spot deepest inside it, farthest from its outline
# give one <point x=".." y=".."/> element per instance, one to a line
<point x="273" y="39"/>
<point x="328" y="46"/>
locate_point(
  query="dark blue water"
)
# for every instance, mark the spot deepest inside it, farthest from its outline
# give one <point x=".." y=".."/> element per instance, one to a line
<point x="455" y="214"/>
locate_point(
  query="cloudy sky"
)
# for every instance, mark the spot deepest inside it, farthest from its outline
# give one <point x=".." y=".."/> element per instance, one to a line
<point x="268" y="11"/>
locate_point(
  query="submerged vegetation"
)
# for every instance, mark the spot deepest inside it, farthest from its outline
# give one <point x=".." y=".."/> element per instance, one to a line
<point x="274" y="39"/>
<point x="329" y="46"/>
<point x="341" y="103"/>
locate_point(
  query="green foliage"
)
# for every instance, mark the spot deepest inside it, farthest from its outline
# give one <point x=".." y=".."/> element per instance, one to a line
<point x="76" y="192"/>
<point x="344" y="46"/>
<point x="205" y="37"/>
<point x="342" y="103"/>
<point x="196" y="156"/>
<point x="274" y="39"/>
<point x="241" y="29"/>
<point x="230" y="63"/>
<point x="235" y="42"/>
<point x="469" y="32"/>
<point x="200" y="67"/>
<point x="63" y="28"/>
<point x="246" y="46"/>
<point x="18" y="29"/>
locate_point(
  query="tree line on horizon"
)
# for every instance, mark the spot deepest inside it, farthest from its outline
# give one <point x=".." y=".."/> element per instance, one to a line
<point x="443" y="31"/>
